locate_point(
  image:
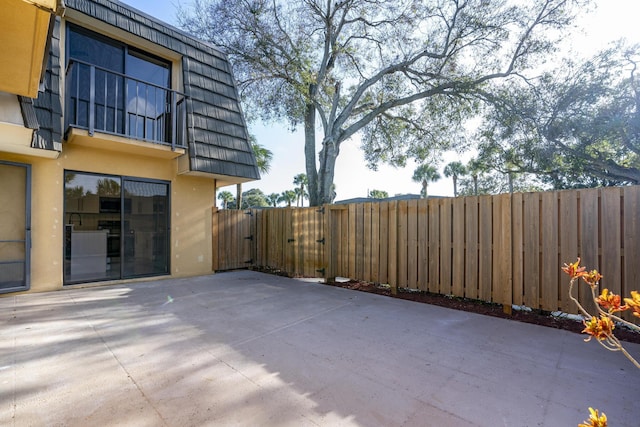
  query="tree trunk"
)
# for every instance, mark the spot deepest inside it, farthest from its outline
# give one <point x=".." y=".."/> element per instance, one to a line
<point x="310" y="154"/>
<point x="455" y="186"/>
<point x="475" y="185"/>
<point x="238" y="196"/>
<point x="328" y="157"/>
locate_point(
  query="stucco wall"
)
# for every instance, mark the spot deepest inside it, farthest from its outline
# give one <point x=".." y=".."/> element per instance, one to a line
<point x="191" y="204"/>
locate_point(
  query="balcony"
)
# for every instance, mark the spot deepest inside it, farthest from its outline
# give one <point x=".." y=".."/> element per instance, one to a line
<point x="147" y="118"/>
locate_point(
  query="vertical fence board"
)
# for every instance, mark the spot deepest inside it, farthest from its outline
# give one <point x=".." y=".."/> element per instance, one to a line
<point x="392" y="271"/>
<point x="367" y="241"/>
<point x="549" y="263"/>
<point x="402" y="244"/>
<point x="375" y="242"/>
<point x="458" y="247"/>
<point x="484" y="246"/>
<point x="611" y="240"/>
<point x="412" y="244"/>
<point x="423" y="245"/>
<point x="517" y="241"/>
<point x="301" y="227"/>
<point x="445" y="245"/>
<point x="631" y="240"/>
<point x="353" y="240"/>
<point x="384" y="243"/>
<point x="502" y="250"/>
<point x="215" y="231"/>
<point x="344" y="238"/>
<point x="471" y="253"/>
<point x="433" y="209"/>
<point x="589" y="241"/>
<point x="531" y="246"/>
<point x="360" y="241"/>
<point x="568" y="223"/>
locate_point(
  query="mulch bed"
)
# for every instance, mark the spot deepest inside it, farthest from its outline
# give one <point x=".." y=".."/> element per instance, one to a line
<point x="537" y="317"/>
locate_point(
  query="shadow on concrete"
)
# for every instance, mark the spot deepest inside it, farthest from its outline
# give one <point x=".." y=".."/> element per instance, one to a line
<point x="245" y="348"/>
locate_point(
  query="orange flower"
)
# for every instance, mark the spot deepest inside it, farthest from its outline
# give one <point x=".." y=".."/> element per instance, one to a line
<point x="595" y="419"/>
<point x="610" y="301"/>
<point x="600" y="328"/>
<point x="592" y="277"/>
<point x="634" y="302"/>
<point x="574" y="270"/>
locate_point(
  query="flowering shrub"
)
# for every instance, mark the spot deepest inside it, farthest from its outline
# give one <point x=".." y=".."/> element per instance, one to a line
<point x="602" y="325"/>
<point x="595" y="419"/>
<point x="608" y="304"/>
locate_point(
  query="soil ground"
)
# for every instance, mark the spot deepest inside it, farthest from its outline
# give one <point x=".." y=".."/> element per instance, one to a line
<point x="537" y="317"/>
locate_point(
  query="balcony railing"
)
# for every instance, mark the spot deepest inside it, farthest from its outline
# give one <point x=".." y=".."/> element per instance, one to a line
<point x="101" y="100"/>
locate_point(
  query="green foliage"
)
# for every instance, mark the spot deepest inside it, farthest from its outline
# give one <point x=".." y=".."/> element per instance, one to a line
<point x="402" y="73"/>
<point x="455" y="170"/>
<point x="578" y="126"/>
<point x="287" y="197"/>
<point x="254" y="198"/>
<point x="263" y="156"/>
<point x="301" y="182"/>
<point x="226" y="197"/>
<point x="378" y="194"/>
<point x="272" y="199"/>
<point x="425" y="174"/>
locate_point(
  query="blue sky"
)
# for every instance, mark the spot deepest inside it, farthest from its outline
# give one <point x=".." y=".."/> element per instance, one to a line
<point x="611" y="20"/>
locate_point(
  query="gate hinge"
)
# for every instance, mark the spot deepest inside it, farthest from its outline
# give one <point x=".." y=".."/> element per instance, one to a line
<point x="249" y="237"/>
<point x="321" y="241"/>
<point x="321" y="210"/>
<point x="249" y="262"/>
<point x="250" y="213"/>
<point x="291" y="240"/>
<point x="321" y="270"/>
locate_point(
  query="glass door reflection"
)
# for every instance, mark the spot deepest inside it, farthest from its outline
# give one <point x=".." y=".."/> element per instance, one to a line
<point x="146" y="228"/>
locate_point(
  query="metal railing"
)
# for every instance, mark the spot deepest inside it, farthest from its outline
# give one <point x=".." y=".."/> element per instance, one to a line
<point x="101" y="100"/>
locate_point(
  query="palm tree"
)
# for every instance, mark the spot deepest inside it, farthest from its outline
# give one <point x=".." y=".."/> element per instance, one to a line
<point x="272" y="199"/>
<point x="454" y="170"/>
<point x="226" y="197"/>
<point x="263" y="161"/>
<point x="288" y="197"/>
<point x="425" y="174"/>
<point x="474" y="168"/>
<point x="301" y="181"/>
<point x="263" y="156"/>
<point x="300" y="196"/>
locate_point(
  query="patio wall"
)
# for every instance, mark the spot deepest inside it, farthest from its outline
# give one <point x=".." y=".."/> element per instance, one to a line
<point x="506" y="249"/>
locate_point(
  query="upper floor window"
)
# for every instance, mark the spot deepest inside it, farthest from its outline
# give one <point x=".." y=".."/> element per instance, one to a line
<point x="95" y="49"/>
<point x="115" y="88"/>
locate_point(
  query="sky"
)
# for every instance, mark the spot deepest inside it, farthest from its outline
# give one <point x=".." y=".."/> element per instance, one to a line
<point x="611" y="20"/>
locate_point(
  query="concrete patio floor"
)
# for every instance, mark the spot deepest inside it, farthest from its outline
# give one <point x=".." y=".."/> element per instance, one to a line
<point x="249" y="349"/>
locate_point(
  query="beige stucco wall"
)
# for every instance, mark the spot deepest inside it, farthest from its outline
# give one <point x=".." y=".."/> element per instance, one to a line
<point x="192" y="199"/>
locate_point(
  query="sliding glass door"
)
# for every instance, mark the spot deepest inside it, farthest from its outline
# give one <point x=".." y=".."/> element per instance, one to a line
<point x="115" y="227"/>
<point x="146" y="228"/>
<point x="15" y="226"/>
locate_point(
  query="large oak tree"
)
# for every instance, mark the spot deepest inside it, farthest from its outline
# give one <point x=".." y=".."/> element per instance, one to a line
<point x="403" y="74"/>
<point x="577" y="126"/>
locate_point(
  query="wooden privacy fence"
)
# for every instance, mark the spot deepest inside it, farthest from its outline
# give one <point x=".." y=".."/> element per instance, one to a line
<point x="506" y="249"/>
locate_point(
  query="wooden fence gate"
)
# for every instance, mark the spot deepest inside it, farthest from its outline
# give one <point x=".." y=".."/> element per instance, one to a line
<point x="233" y="235"/>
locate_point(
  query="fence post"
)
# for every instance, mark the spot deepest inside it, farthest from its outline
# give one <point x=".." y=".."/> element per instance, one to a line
<point x="329" y="249"/>
<point x="214" y="239"/>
